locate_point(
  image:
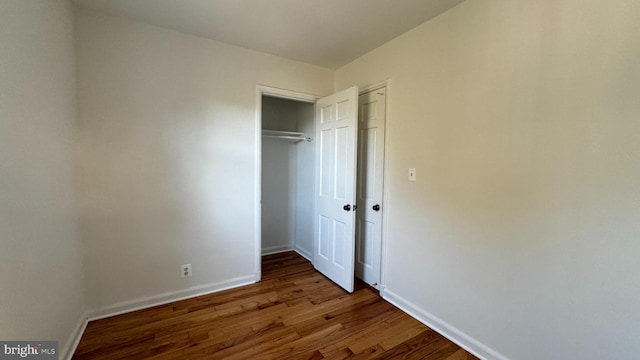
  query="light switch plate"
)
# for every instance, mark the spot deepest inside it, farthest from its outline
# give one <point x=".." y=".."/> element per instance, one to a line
<point x="412" y="174"/>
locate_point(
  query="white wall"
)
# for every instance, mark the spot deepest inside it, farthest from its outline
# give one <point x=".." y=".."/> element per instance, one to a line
<point x="522" y="119"/>
<point x="305" y="181"/>
<point x="279" y="172"/>
<point x="287" y="178"/>
<point x="278" y="195"/>
<point x="167" y="175"/>
<point x="279" y="114"/>
<point x="41" y="296"/>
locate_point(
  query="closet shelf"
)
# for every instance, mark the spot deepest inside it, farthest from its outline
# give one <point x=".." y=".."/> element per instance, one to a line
<point x="285" y="135"/>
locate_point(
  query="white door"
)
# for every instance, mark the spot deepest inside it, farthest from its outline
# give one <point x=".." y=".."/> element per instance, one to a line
<point x="334" y="238"/>
<point x="372" y="110"/>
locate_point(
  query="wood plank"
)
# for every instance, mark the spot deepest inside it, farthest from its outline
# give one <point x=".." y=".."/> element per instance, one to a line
<point x="293" y="313"/>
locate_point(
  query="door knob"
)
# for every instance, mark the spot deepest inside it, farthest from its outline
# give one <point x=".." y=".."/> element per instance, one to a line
<point x="376" y="207"/>
<point x="347" y="207"/>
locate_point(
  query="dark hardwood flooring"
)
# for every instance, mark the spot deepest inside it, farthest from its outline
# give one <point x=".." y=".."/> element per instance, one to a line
<point x="293" y="313"/>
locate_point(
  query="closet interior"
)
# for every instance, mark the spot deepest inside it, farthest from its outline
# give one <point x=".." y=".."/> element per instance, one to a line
<point x="287" y="175"/>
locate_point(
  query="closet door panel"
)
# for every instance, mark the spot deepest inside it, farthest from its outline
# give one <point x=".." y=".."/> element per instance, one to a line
<point x="334" y="239"/>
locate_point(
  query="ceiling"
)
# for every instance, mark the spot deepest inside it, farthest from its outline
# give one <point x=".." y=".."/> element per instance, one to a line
<point x="327" y="33"/>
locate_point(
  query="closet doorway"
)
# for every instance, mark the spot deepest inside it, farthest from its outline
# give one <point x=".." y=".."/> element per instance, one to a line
<point x="287" y="176"/>
<point x="306" y="188"/>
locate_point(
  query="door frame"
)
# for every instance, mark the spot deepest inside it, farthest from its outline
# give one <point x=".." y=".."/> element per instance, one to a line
<point x="263" y="90"/>
<point x="385" y="177"/>
<point x="311" y="98"/>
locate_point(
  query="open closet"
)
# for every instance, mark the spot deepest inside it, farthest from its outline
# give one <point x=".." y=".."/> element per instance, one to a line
<point x="309" y="186"/>
<point x="287" y="176"/>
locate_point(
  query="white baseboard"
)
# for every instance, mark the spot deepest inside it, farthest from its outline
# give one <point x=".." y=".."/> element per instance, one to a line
<point x="165" y="298"/>
<point x="461" y="339"/>
<point x="74" y="338"/>
<point x="279" y="249"/>
<point x="276" y="249"/>
<point x="304" y="253"/>
<point x="147" y="302"/>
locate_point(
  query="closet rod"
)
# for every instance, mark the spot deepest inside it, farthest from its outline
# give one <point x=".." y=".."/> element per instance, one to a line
<point x="285" y="135"/>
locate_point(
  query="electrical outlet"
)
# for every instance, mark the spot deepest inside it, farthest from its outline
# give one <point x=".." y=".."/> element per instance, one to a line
<point x="185" y="270"/>
<point x="412" y="174"/>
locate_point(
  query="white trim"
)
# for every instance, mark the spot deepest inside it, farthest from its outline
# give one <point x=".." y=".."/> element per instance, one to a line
<point x="276" y="249"/>
<point x="280" y="249"/>
<point x="168" y="297"/>
<point x="286" y="94"/>
<point x="385" y="173"/>
<point x="386" y="180"/>
<point x="283" y="94"/>
<point x="304" y="253"/>
<point x="258" y="185"/>
<point x="443" y="328"/>
<point x="74" y="338"/>
<point x="376" y="86"/>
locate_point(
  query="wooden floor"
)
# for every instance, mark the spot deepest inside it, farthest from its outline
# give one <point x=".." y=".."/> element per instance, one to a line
<point x="294" y="313"/>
